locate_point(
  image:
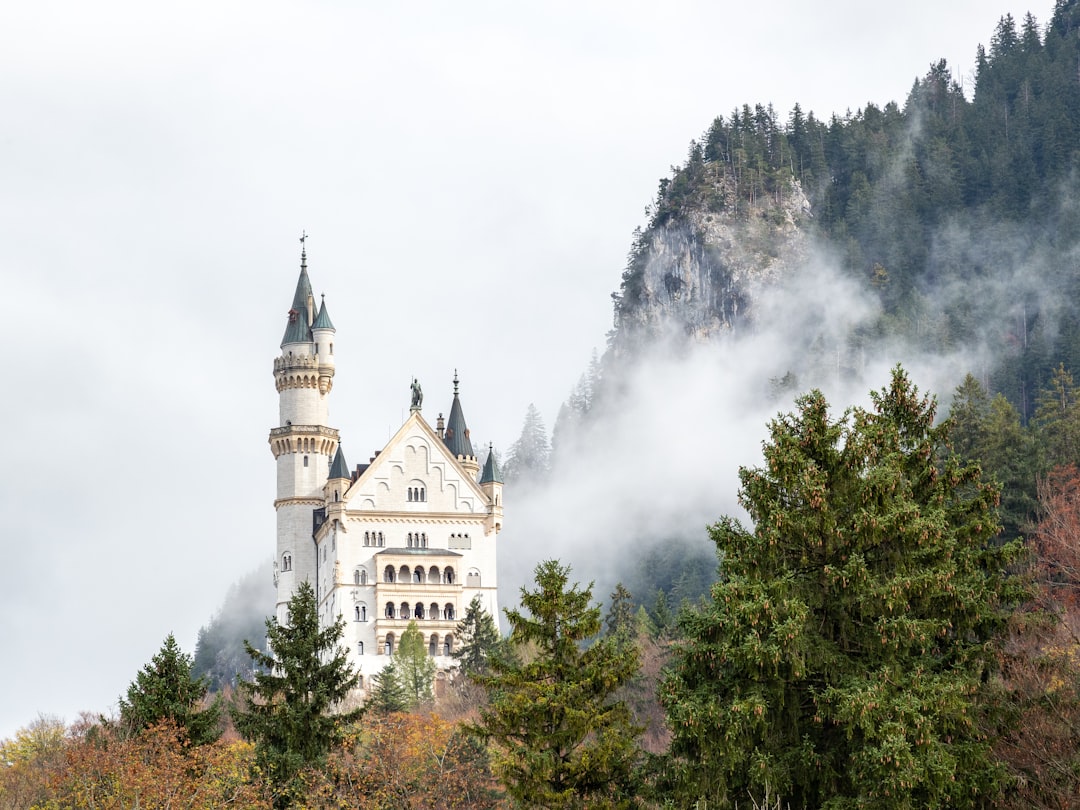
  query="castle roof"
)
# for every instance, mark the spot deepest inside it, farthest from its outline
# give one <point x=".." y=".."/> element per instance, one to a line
<point x="322" y="320"/>
<point x="298" y="330"/>
<point x="491" y="474"/>
<point x="338" y="468"/>
<point x="457" y="432"/>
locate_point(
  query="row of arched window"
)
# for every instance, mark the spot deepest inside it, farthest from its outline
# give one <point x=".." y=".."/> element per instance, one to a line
<point x="286" y="562"/>
<point x="434" y="648"/>
<point x="432" y="613"/>
<point x="418" y="576"/>
<point x="418" y="494"/>
<point x="417" y="540"/>
<point x="374" y="539"/>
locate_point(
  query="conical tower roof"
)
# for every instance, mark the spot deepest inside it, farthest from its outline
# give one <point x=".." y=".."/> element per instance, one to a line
<point x="338" y="467"/>
<point x="491" y="474"/>
<point x="457" y="432"/>
<point x="298" y="330"/>
<point x="322" y="320"/>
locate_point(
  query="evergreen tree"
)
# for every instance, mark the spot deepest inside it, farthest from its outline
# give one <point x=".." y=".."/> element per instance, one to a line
<point x="390" y="694"/>
<point x="290" y="707"/>
<point x="529" y="455"/>
<point x="478" y="639"/>
<point x="843" y="659"/>
<point x="620" y="619"/>
<point x="561" y="740"/>
<point x="165" y="690"/>
<point x="415" y="668"/>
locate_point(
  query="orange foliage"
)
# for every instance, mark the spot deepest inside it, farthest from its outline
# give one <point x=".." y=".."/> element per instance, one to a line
<point x="406" y="762"/>
<point x="153" y="769"/>
<point x="1057" y="537"/>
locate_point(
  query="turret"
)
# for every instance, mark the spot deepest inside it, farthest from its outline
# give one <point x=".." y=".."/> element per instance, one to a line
<point x="456" y="436"/>
<point x="303" y="444"/>
<point x="492" y="484"/>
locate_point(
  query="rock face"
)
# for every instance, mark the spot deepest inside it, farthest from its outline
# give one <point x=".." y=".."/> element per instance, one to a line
<point x="699" y="271"/>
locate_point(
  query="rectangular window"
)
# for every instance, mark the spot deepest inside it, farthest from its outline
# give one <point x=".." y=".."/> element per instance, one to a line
<point x="460" y="541"/>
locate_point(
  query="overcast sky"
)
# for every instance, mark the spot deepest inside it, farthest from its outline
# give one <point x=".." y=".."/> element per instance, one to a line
<point x="469" y="174"/>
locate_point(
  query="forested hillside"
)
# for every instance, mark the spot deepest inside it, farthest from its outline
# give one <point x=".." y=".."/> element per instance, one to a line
<point x="956" y="208"/>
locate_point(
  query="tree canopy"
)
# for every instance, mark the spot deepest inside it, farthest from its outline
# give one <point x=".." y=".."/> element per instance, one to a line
<point x="843" y="657"/>
<point x="561" y="740"/>
<point x="164" y="690"/>
<point x="292" y="707"/>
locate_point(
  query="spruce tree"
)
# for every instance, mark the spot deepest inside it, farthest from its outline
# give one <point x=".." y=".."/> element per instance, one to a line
<point x="390" y="694"/>
<point x="561" y="740"/>
<point x="843" y="659"/>
<point x="290" y="708"/>
<point x="165" y="690"/>
<point x="478" y="639"/>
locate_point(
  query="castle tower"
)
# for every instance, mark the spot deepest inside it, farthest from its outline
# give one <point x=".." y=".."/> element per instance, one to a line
<point x="303" y="444"/>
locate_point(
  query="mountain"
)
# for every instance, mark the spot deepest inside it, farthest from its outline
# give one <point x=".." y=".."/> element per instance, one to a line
<point x="956" y="213"/>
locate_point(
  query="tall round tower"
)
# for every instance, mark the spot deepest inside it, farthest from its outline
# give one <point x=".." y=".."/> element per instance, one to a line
<point x="302" y="443"/>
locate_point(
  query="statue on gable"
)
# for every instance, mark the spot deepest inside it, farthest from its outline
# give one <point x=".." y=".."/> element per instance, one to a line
<point x="417" y="395"/>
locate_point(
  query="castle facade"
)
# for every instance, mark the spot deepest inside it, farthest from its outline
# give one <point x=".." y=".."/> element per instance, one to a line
<point x="409" y="536"/>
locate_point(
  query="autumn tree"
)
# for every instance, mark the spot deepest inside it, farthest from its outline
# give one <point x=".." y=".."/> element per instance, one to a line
<point x="165" y="690"/>
<point x="415" y="668"/>
<point x="843" y="658"/>
<point x="560" y="738"/>
<point x="1057" y="537"/>
<point x="292" y="707"/>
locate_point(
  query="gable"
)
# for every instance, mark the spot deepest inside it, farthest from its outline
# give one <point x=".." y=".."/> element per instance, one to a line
<point x="415" y="472"/>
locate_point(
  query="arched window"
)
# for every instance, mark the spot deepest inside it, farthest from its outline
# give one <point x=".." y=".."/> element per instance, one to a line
<point x="433" y="611"/>
<point x="408" y="540"/>
<point x="356" y="577"/>
<point x="448" y="645"/>
<point x="448" y="575"/>
<point x="367" y="539"/>
<point x="363" y="613"/>
<point x="404" y="610"/>
<point x="389" y="643"/>
<point x="418" y="575"/>
<point x="356" y="611"/>
<point x="423" y="540"/>
<point x="409" y="492"/>
<point x="448" y="612"/>
<point x="433" y="645"/>
<point x="418" y="611"/>
<point x="363" y="577"/>
<point x="433" y="574"/>
<point x="423" y="493"/>
<point x="404" y="575"/>
<point x="390" y="610"/>
<point x="382" y="540"/>
<point x="360" y="647"/>
<point x="388" y="574"/>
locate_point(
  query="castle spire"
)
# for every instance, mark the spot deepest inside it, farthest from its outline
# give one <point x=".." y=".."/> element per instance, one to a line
<point x="298" y="329"/>
<point x="457" y="432"/>
<point x="491" y="474"/>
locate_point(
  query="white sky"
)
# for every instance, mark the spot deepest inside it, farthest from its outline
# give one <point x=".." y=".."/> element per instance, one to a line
<point x="469" y="174"/>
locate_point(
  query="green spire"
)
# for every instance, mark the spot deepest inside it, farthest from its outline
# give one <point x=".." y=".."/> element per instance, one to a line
<point x="338" y="467"/>
<point x="457" y="433"/>
<point x="322" y="320"/>
<point x="298" y="329"/>
<point x="491" y="474"/>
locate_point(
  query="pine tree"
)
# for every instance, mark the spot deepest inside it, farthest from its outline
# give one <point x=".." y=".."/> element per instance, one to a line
<point x="561" y="740"/>
<point x="620" y="620"/>
<point x="415" y="668"/>
<point x="290" y="707"/>
<point x="165" y="690"/>
<point x="529" y="455"/>
<point x="478" y="640"/>
<point x="390" y="694"/>
<point x="843" y="658"/>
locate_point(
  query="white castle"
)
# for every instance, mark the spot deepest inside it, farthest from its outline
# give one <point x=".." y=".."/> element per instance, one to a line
<point x="409" y="536"/>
